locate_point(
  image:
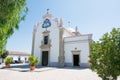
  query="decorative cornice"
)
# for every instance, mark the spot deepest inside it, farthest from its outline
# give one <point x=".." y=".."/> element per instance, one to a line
<point x="76" y="41"/>
<point x="46" y="32"/>
<point x="79" y="36"/>
<point x="45" y="46"/>
<point x="76" y="51"/>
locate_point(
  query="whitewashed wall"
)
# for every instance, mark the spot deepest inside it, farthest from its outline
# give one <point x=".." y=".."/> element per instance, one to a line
<point x="54" y="37"/>
<point x="82" y="45"/>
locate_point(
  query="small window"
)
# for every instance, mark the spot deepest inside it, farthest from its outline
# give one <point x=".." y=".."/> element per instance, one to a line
<point x="46" y="40"/>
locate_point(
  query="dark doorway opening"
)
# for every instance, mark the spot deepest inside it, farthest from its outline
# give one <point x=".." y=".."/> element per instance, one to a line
<point x="76" y="60"/>
<point x="45" y="58"/>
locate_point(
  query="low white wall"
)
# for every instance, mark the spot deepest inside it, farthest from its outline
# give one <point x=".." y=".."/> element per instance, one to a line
<point x="22" y="58"/>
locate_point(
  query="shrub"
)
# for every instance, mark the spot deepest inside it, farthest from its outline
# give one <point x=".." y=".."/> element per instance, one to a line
<point x="33" y="60"/>
<point x="8" y="60"/>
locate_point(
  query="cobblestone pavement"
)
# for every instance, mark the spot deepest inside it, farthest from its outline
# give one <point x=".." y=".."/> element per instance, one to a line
<point x="47" y="73"/>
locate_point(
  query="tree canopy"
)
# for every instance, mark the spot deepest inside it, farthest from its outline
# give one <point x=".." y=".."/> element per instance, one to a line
<point x="11" y="13"/>
<point x="105" y="55"/>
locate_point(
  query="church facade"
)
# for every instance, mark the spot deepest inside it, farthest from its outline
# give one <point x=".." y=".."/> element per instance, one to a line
<point x="56" y="45"/>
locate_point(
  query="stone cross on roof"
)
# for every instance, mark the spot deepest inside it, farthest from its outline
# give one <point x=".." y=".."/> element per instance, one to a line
<point x="48" y="10"/>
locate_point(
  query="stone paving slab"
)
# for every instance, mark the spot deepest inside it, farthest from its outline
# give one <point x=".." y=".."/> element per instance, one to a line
<point x="48" y="73"/>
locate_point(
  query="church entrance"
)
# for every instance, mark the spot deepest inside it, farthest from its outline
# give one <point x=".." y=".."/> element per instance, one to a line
<point x="44" y="58"/>
<point x="76" y="60"/>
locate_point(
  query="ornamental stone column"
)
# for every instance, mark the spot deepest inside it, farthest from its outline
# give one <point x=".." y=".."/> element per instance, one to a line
<point x="33" y="40"/>
<point x="61" y="48"/>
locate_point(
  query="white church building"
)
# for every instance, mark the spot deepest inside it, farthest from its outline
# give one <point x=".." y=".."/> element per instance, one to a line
<point x="57" y="45"/>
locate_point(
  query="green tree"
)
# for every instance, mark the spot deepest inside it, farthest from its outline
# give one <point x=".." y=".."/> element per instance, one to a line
<point x="4" y="55"/>
<point x="105" y="55"/>
<point x="11" y="13"/>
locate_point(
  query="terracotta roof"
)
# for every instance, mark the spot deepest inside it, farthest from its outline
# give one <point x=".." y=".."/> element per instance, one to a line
<point x="18" y="53"/>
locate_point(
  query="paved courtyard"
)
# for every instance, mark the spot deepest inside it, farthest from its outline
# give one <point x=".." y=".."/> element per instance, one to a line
<point x="47" y="73"/>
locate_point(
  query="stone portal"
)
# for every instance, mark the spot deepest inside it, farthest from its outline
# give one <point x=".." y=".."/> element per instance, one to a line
<point x="45" y="58"/>
<point x="76" y="60"/>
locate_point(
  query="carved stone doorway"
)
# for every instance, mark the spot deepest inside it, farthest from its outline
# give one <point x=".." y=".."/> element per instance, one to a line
<point x="44" y="58"/>
<point x="76" y="60"/>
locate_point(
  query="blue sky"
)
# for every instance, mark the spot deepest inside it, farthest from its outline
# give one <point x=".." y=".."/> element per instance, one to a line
<point x="90" y="16"/>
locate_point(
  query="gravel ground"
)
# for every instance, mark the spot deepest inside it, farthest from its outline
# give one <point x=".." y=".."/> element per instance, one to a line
<point x="47" y="73"/>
